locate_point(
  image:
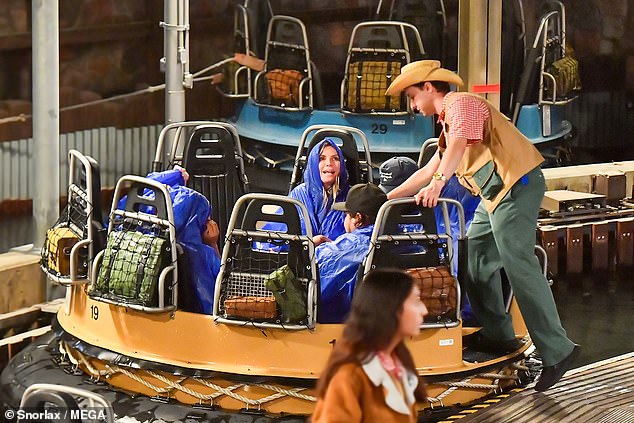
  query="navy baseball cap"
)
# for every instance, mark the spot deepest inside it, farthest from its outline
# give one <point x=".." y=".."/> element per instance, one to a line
<point x="393" y="172"/>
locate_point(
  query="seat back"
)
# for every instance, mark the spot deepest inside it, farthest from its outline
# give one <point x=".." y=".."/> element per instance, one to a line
<point x="138" y="268"/>
<point x="213" y="158"/>
<point x="427" y="151"/>
<point x="78" y="235"/>
<point x="356" y="153"/>
<point x="286" y="81"/>
<point x="431" y="20"/>
<point x="172" y="140"/>
<point x="376" y="54"/>
<point x="267" y="288"/>
<point x="405" y="236"/>
<point x="236" y="81"/>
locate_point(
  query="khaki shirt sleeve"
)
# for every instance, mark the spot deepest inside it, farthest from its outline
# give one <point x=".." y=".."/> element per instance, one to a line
<point x="342" y="401"/>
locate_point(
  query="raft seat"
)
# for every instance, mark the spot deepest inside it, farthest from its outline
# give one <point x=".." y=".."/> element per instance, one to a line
<point x="376" y="54"/>
<point x="213" y="158"/>
<point x="236" y="82"/>
<point x="138" y="269"/>
<point x="274" y="287"/>
<point x="427" y="151"/>
<point x="78" y="235"/>
<point x="286" y="81"/>
<point x="550" y="80"/>
<point x="406" y="237"/>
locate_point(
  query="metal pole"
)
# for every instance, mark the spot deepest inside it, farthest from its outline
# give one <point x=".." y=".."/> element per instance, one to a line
<point x="45" y="164"/>
<point x="174" y="89"/>
<point x="480" y="44"/>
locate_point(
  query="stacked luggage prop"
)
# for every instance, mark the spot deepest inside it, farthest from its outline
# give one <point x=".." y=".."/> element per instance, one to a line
<point x="78" y="234"/>
<point x="138" y="267"/>
<point x="587" y="219"/>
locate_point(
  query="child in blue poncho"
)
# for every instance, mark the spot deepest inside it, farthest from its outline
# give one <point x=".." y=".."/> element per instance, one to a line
<point x="338" y="261"/>
<point x="198" y="235"/>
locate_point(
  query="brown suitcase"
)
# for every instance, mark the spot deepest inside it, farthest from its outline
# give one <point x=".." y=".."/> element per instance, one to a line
<point x="59" y="243"/>
<point x="251" y="307"/>
<point x="438" y="290"/>
<point x="367" y="82"/>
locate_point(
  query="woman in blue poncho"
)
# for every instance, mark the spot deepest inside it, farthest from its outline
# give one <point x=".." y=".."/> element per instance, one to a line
<point x="325" y="182"/>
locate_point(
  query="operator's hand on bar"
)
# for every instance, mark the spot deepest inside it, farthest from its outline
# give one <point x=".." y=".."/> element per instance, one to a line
<point x="428" y="196"/>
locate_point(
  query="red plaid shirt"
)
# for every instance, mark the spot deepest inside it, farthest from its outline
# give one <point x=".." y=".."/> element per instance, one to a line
<point x="464" y="118"/>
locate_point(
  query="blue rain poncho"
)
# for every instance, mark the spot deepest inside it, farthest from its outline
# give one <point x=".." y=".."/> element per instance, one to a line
<point x="338" y="263"/>
<point x="323" y="220"/>
<point x="455" y="191"/>
<point x="202" y="263"/>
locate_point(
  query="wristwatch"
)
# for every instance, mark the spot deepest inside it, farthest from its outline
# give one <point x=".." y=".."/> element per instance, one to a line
<point x="439" y="177"/>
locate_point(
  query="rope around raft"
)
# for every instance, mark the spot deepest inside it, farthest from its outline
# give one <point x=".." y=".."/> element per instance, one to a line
<point x="79" y="360"/>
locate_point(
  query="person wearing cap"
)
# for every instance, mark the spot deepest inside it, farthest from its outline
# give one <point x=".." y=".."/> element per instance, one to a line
<point x="338" y="261"/>
<point x="197" y="234"/>
<point x="396" y="170"/>
<point x="494" y="160"/>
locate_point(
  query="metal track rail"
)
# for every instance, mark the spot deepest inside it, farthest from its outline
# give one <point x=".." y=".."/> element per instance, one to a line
<point x="599" y="392"/>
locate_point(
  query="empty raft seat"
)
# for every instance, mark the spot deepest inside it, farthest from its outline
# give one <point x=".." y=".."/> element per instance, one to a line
<point x="376" y="54"/>
<point x="287" y="78"/>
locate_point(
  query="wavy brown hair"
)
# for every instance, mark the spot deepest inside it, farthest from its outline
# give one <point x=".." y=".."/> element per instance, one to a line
<point x="372" y="325"/>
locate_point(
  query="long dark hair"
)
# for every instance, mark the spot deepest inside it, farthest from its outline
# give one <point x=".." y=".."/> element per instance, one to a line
<point x="372" y="324"/>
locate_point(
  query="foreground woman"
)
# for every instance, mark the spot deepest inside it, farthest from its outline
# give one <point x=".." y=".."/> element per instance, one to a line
<point x="371" y="376"/>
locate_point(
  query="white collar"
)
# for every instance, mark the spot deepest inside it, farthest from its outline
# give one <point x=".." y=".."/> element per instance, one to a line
<point x="393" y="398"/>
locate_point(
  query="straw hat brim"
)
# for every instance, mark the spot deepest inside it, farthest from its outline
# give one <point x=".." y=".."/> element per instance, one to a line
<point x="413" y="76"/>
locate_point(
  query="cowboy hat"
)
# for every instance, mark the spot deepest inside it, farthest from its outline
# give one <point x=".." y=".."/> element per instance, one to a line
<point x="421" y="71"/>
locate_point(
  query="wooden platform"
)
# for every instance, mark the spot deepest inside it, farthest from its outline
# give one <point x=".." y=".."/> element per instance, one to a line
<point x="599" y="392"/>
<point x="22" y="282"/>
<point x="579" y="178"/>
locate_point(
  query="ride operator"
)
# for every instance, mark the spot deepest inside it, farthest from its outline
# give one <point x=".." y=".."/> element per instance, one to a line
<point x="492" y="159"/>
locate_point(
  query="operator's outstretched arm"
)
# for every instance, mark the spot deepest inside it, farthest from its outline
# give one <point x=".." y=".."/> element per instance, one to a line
<point x="419" y="179"/>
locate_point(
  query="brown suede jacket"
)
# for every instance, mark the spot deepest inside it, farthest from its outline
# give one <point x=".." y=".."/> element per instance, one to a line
<point x="366" y="393"/>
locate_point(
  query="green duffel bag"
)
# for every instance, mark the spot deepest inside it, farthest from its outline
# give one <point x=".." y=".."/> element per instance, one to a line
<point x="131" y="266"/>
<point x="289" y="293"/>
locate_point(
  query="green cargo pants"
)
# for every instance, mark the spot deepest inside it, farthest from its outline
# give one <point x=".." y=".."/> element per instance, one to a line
<point x="506" y="239"/>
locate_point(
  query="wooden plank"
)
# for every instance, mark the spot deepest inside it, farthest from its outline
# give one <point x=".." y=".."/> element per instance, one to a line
<point x="600" y="251"/>
<point x="27" y="315"/>
<point x="574" y="249"/>
<point x="624" y="242"/>
<point x="22" y="336"/>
